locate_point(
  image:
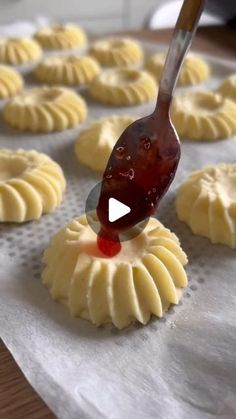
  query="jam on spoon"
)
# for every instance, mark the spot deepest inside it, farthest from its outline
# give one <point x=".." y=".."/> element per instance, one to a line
<point x="145" y="158"/>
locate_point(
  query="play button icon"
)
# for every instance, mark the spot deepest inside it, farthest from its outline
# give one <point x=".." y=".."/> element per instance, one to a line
<point x="116" y="209"/>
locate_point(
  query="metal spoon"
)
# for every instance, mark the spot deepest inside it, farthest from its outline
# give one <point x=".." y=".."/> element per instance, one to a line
<point x="144" y="160"/>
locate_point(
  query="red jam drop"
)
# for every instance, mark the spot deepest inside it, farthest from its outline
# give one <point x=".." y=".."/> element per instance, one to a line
<point x="109" y="246"/>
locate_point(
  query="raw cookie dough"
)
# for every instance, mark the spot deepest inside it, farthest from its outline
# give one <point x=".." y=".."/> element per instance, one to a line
<point x="117" y="52"/>
<point x="69" y="70"/>
<point x="228" y="87"/>
<point x="143" y="279"/>
<point x="203" y="116"/>
<point x="61" y="37"/>
<point x="17" y="51"/>
<point x="206" y="202"/>
<point x="194" y="69"/>
<point x="123" y="87"/>
<point x="11" y="82"/>
<point x="45" y="109"/>
<point x="95" y="143"/>
<point x="31" y="184"/>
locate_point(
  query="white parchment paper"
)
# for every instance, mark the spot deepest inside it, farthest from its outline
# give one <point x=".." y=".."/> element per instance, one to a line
<point x="182" y="366"/>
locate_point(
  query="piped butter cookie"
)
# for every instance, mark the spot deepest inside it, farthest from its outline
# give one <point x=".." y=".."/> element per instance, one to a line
<point x="45" y="109"/>
<point x="206" y="202"/>
<point x="203" y="116"/>
<point x="228" y="87"/>
<point x="117" y="52"/>
<point x="11" y="82"/>
<point x="61" y="37"/>
<point x="68" y="70"/>
<point x="145" y="278"/>
<point x="193" y="71"/>
<point x="95" y="143"/>
<point x="123" y="87"/>
<point x="18" y="51"/>
<point x="31" y="184"/>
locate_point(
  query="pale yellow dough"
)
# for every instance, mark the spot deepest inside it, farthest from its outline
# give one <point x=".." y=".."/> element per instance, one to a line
<point x="11" y="82"/>
<point x="45" y="109"/>
<point x="18" y="51"/>
<point x="95" y="143"/>
<point x="123" y="87"/>
<point x="117" y="52"/>
<point x="203" y="115"/>
<point x="228" y="87"/>
<point x="68" y="70"/>
<point x="194" y="69"/>
<point x="206" y="201"/>
<point x="143" y="279"/>
<point x="31" y="184"/>
<point x="61" y="37"/>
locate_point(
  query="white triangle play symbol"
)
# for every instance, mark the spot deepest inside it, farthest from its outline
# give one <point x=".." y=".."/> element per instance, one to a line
<point x="116" y="209"/>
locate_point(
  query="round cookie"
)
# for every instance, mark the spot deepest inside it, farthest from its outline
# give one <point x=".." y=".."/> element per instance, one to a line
<point x="228" y="87"/>
<point x="203" y="116"/>
<point x="45" y="109"/>
<point x="206" y="202"/>
<point x="123" y="87"/>
<point x="194" y="69"/>
<point x="18" y="51"/>
<point x="31" y="184"/>
<point x="117" y="52"/>
<point x="143" y="279"/>
<point x="95" y="143"/>
<point x="68" y="70"/>
<point x="11" y="82"/>
<point x="61" y="37"/>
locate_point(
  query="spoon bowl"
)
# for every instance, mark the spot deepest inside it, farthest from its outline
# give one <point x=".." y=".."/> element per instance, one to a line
<point x="140" y="169"/>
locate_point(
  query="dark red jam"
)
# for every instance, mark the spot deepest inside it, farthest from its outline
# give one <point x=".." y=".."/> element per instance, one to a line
<point x="140" y="169"/>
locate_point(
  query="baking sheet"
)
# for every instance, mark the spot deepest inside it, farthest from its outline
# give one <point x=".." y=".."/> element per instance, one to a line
<point x="182" y="366"/>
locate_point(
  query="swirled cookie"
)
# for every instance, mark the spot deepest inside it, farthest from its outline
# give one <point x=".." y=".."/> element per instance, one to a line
<point x="143" y="279"/>
<point x="203" y="116"/>
<point x="206" y="202"/>
<point x="123" y="87"/>
<point x="194" y="69"/>
<point x="61" y="37"/>
<point x="45" y="109"/>
<point x="228" y="87"/>
<point x="117" y="52"/>
<point x="68" y="70"/>
<point x="31" y="184"/>
<point x="18" y="51"/>
<point x="95" y="143"/>
<point x="11" y="82"/>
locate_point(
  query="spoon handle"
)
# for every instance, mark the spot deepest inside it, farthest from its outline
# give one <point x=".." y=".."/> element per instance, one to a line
<point x="184" y="32"/>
